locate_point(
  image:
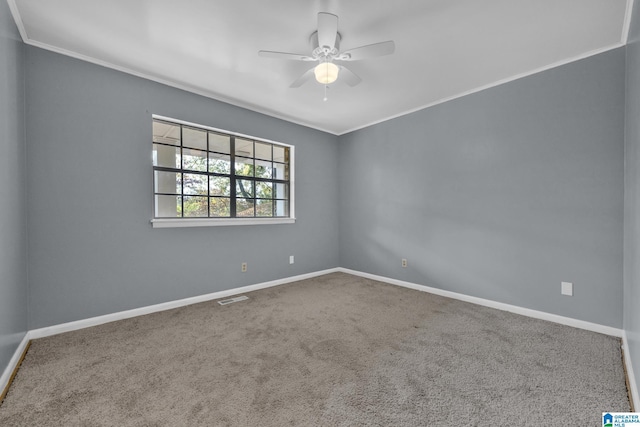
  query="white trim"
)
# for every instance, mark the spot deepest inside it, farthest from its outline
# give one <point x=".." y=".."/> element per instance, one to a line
<point x="213" y="222"/>
<point x="99" y="320"/>
<point x="6" y="375"/>
<point x="181" y="86"/>
<point x="107" y="318"/>
<point x="209" y="222"/>
<point x="488" y="86"/>
<point x="213" y="129"/>
<point x="267" y="112"/>
<point x="626" y="26"/>
<point x="292" y="182"/>
<point x="13" y="7"/>
<point x="635" y="396"/>
<point x="581" y="324"/>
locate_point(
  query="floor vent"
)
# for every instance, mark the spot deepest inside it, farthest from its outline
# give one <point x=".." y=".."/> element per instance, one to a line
<point x="232" y="300"/>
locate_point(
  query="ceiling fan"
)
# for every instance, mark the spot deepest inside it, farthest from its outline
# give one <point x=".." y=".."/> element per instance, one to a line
<point x="326" y="49"/>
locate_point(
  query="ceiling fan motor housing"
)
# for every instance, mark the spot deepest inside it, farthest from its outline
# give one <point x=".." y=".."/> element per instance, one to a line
<point x="324" y="53"/>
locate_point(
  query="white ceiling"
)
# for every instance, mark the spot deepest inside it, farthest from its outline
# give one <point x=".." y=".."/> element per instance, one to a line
<point x="444" y="48"/>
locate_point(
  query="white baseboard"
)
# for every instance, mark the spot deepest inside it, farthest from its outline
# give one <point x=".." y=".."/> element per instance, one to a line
<point x="633" y="385"/>
<point x="581" y="324"/>
<point x="99" y="320"/>
<point x="6" y="375"/>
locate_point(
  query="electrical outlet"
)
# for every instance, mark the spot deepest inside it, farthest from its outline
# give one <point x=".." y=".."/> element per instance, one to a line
<point x="566" y="288"/>
<point x="244" y="267"/>
<point x="291" y="260"/>
<point x="404" y="263"/>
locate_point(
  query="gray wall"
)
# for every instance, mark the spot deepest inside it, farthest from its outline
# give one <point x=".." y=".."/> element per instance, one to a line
<point x="13" y="267"/>
<point x="92" y="250"/>
<point x="502" y="194"/>
<point x="632" y="197"/>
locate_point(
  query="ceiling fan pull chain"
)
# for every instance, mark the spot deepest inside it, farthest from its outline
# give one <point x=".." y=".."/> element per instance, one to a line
<point x="326" y="87"/>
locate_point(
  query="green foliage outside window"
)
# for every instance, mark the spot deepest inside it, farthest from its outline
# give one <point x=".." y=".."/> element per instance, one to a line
<point x="204" y="174"/>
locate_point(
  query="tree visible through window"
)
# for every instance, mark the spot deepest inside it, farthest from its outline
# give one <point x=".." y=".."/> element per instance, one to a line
<point x="201" y="173"/>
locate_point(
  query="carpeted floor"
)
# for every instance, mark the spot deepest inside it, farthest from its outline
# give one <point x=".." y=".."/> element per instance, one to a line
<point x="336" y="350"/>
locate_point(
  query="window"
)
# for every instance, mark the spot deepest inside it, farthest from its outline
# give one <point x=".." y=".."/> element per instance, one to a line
<point x="205" y="176"/>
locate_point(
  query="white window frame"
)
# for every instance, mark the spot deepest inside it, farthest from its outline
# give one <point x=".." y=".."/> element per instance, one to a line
<point x="212" y="222"/>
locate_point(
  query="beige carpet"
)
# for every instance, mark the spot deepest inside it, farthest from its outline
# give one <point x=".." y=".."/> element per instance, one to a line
<point x="337" y="350"/>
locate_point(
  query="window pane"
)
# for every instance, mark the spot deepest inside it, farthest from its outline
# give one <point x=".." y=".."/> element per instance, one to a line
<point x="282" y="208"/>
<point x="165" y="156"/>
<point x="219" y="143"/>
<point x="168" y="206"/>
<point x="264" y="190"/>
<point x="245" y="207"/>
<point x="281" y="171"/>
<point x="264" y="169"/>
<point x="244" y="167"/>
<point x="219" y="186"/>
<point x="244" y="188"/>
<point x="263" y="151"/>
<point x="281" y="191"/>
<point x="166" y="133"/>
<point x="167" y="182"/>
<point x="194" y="138"/>
<point x="194" y="160"/>
<point x="264" y="208"/>
<point x="219" y="163"/>
<point x="194" y="184"/>
<point x="280" y="154"/>
<point x="244" y="147"/>
<point x="193" y="174"/>
<point x="219" y="207"/>
<point x="195" y="207"/>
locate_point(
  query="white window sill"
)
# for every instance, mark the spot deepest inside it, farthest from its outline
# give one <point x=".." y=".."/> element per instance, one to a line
<point x="210" y="222"/>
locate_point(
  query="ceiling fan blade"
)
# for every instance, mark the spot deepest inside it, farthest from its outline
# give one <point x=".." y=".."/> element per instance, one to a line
<point x="327" y="30"/>
<point x="369" y="51"/>
<point x="303" y="78"/>
<point x="349" y="76"/>
<point x="284" y="55"/>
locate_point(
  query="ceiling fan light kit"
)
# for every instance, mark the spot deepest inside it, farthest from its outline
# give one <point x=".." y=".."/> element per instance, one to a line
<point x="325" y="43"/>
<point x="326" y="72"/>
